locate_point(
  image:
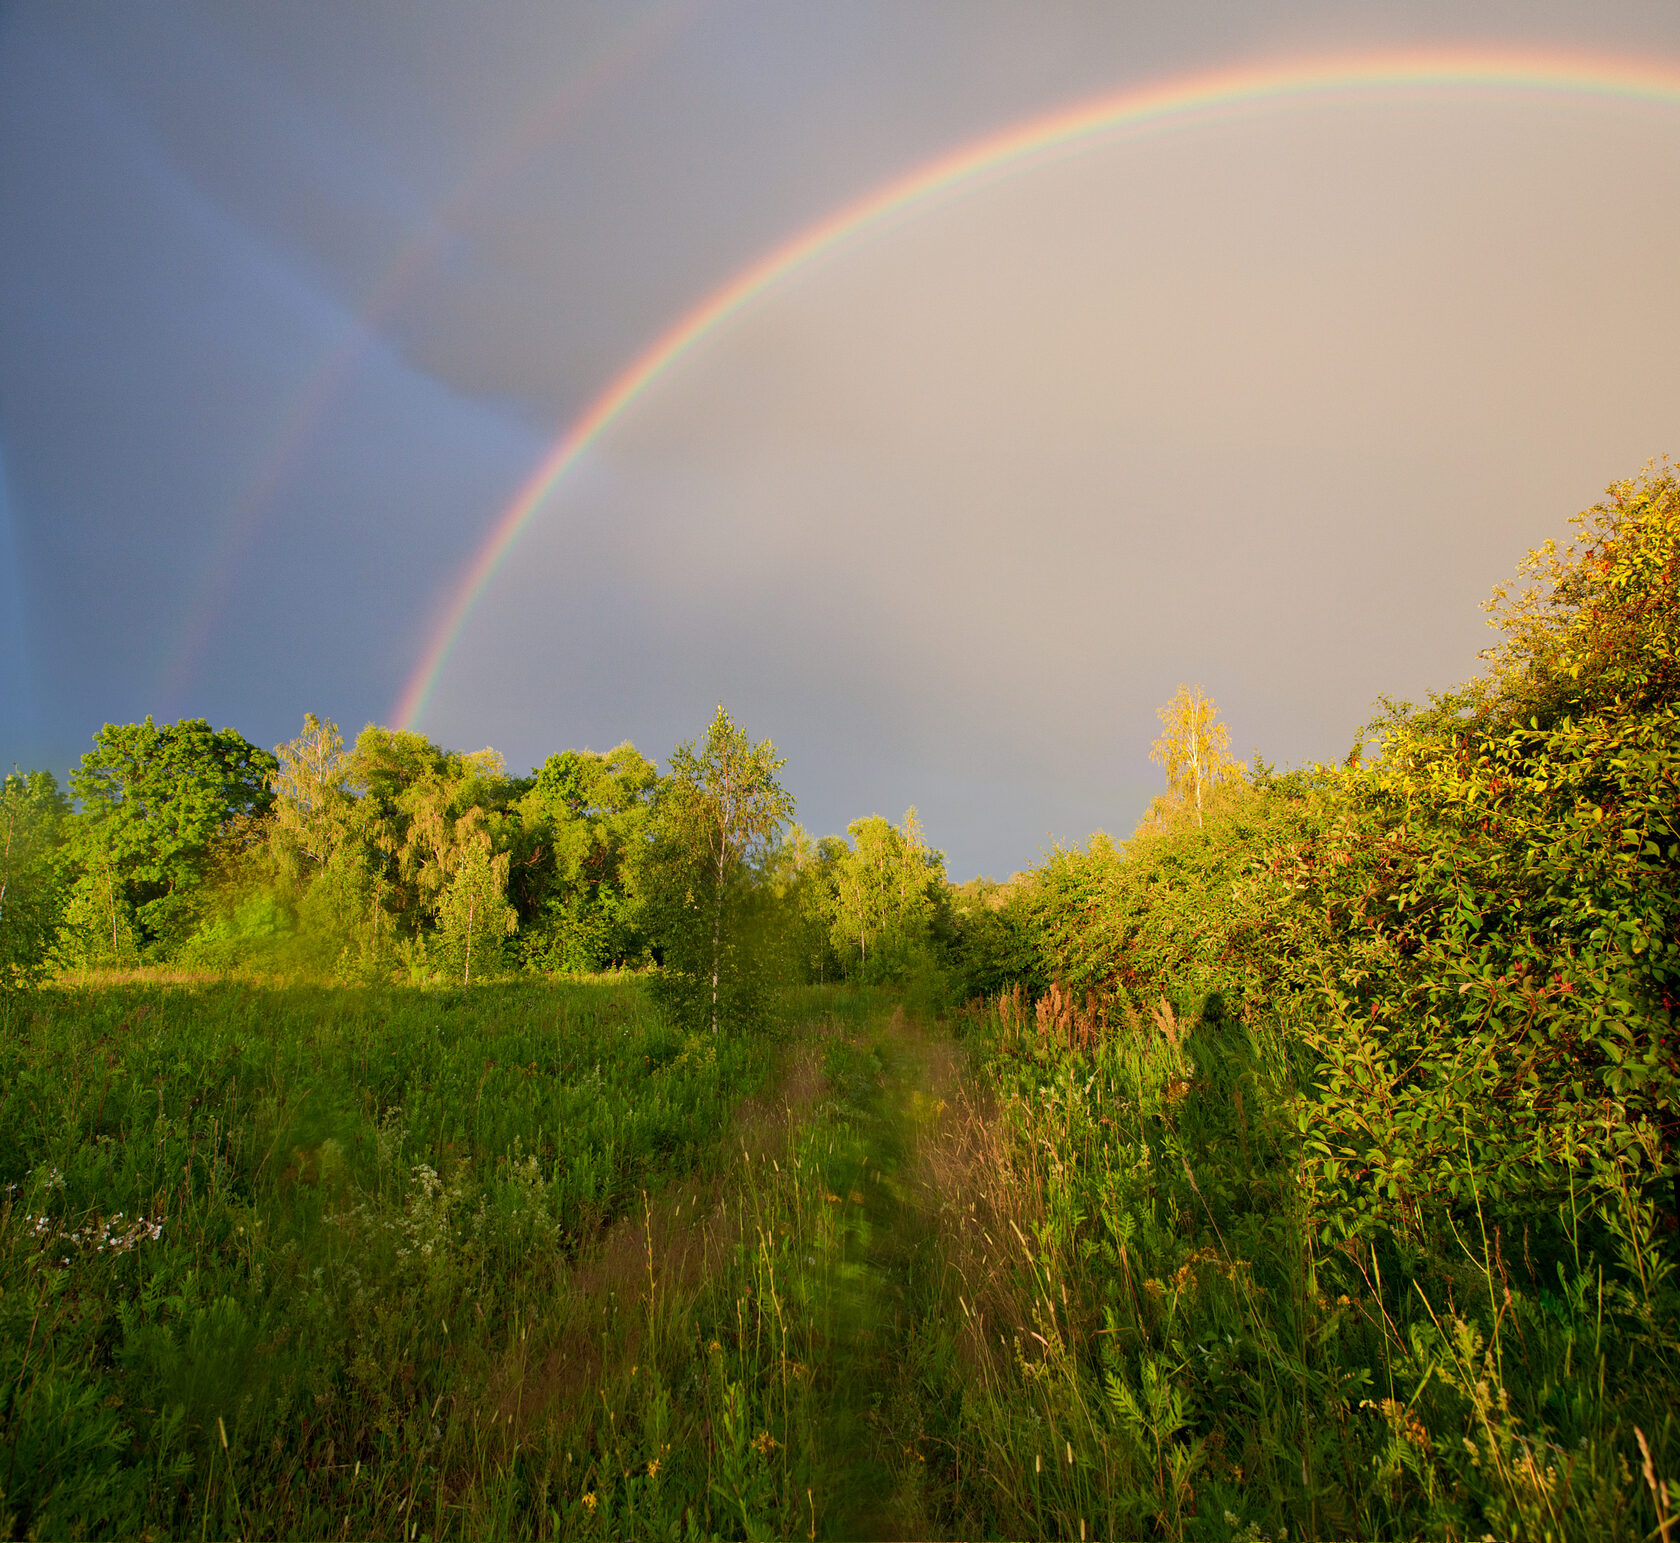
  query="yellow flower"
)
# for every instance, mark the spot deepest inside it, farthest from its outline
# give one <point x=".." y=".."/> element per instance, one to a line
<point x="589" y="1501"/>
<point x="653" y="1467"/>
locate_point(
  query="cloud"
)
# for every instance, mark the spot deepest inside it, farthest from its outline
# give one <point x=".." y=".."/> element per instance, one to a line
<point x="1269" y="406"/>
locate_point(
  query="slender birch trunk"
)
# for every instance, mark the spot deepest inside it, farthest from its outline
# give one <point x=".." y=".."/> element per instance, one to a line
<point x="1196" y="770"/>
<point x="717" y="923"/>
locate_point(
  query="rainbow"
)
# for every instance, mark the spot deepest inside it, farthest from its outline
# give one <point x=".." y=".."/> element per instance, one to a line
<point x="1160" y="105"/>
<point x="414" y="260"/>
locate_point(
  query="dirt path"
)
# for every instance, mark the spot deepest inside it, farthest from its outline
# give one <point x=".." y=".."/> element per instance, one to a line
<point x="770" y="1351"/>
<point x="891" y="1108"/>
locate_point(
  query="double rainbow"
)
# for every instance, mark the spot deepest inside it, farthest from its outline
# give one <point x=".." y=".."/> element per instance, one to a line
<point x="1185" y="98"/>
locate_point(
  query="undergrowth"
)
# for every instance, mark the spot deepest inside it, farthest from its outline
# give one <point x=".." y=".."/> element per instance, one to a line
<point x="1171" y="1351"/>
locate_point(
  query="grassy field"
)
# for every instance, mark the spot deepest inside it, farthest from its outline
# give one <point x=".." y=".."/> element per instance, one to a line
<point x="405" y="1264"/>
<point x="267" y="1255"/>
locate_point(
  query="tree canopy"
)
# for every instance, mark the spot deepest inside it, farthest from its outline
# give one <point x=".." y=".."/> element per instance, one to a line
<point x="153" y="802"/>
<point x="1193" y="749"/>
<point x="721" y="809"/>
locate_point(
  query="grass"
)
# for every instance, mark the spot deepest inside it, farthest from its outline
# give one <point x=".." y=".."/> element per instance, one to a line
<point x="266" y="1254"/>
<point x="1160" y="1330"/>
<point x="522" y="1263"/>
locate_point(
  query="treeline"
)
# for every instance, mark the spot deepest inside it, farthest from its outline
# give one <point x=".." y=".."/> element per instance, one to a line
<point x="179" y="844"/>
<point x="1481" y="915"/>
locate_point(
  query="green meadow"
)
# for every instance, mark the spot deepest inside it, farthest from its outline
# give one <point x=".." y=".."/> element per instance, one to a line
<point x="330" y="1262"/>
<point x="396" y="1148"/>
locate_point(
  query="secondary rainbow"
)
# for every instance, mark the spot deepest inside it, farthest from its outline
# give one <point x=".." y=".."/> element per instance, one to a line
<point x="413" y="262"/>
<point x="1160" y="105"/>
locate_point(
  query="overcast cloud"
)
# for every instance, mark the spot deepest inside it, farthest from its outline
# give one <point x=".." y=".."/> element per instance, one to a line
<point x="293" y="298"/>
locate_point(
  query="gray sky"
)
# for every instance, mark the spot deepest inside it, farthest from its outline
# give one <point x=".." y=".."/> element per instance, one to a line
<point x="293" y="299"/>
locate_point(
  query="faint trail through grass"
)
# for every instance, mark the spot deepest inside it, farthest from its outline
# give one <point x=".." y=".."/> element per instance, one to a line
<point x="872" y="1434"/>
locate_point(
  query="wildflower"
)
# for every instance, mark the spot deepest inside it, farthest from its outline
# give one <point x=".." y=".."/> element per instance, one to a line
<point x="653" y="1467"/>
<point x="589" y="1501"/>
<point x="764" y="1443"/>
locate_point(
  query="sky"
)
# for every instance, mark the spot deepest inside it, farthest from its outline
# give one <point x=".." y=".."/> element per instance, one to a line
<point x="296" y="300"/>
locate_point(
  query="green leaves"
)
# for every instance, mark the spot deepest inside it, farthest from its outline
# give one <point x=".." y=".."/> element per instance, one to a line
<point x="154" y="803"/>
<point x="887" y="888"/>
<point x="719" y="813"/>
<point x="32" y="877"/>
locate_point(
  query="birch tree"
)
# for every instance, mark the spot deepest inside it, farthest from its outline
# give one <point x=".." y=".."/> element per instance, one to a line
<point x="474" y="905"/>
<point x="1194" y="748"/>
<point x="884" y="889"/>
<point x="313" y="802"/>
<point x="32" y="813"/>
<point x="721" y="807"/>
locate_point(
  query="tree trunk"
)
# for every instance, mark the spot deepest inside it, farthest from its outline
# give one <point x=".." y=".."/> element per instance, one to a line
<point x="466" y="974"/>
<point x="717" y="923"/>
<point x="6" y="878"/>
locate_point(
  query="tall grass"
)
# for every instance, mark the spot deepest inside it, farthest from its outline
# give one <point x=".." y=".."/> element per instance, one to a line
<point x="416" y="1264"/>
<point x="265" y="1254"/>
<point x="1156" y="1345"/>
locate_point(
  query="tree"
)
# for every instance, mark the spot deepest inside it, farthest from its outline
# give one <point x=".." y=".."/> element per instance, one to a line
<point x="313" y="802"/>
<point x="1193" y="749"/>
<point x="721" y="808"/>
<point x="32" y="814"/>
<point x="153" y="804"/>
<point x="414" y="793"/>
<point x="584" y="822"/>
<point x="804" y="873"/>
<point x="325" y="877"/>
<point x="474" y="905"/>
<point x="1597" y="624"/>
<point x="886" y="889"/>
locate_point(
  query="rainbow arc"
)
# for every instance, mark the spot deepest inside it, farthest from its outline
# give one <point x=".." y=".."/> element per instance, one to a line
<point x="1162" y="105"/>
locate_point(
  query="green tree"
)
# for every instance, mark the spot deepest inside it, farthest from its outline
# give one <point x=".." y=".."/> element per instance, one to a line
<point x="1193" y="749"/>
<point x="887" y="887"/>
<point x="1595" y="625"/>
<point x="993" y="944"/>
<point x="313" y="799"/>
<point x="1506" y="883"/>
<point x="474" y="907"/>
<point x="414" y="793"/>
<point x="32" y="816"/>
<point x="585" y="820"/>
<point x="153" y="804"/>
<point x="317" y="894"/>
<point x="721" y="808"/>
<point x="803" y="873"/>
